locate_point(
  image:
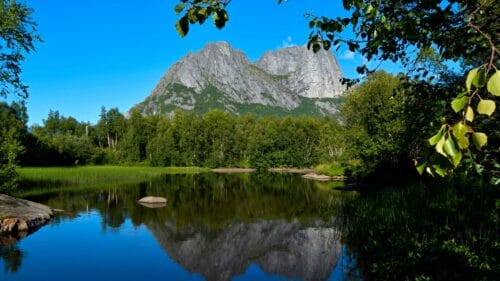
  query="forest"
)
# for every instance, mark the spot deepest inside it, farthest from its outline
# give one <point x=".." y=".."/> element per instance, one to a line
<point x="377" y="131"/>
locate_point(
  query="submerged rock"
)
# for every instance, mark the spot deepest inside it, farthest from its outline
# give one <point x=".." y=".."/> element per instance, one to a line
<point x="19" y="216"/>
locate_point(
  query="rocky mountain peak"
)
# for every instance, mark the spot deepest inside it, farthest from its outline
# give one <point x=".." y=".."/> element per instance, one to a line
<point x="219" y="76"/>
<point x="312" y="75"/>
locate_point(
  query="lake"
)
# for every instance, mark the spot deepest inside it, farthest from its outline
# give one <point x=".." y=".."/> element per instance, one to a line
<point x="214" y="227"/>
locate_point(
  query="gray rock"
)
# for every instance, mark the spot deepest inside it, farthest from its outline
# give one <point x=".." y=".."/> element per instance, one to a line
<point x="153" y="200"/>
<point x="312" y="75"/>
<point x="19" y="215"/>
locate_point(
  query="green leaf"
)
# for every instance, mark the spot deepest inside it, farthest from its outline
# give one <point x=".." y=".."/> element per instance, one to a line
<point x="452" y="151"/>
<point x="179" y="7"/>
<point x="439" y="147"/>
<point x="192" y="15"/>
<point x="182" y="26"/>
<point x="469" y="114"/>
<point x="429" y="171"/>
<point x="470" y="76"/>
<point x="421" y="167"/>
<point x="479" y="140"/>
<point x="368" y="9"/>
<point x="480" y="78"/>
<point x="494" y="84"/>
<point x="459" y="132"/>
<point x="220" y="17"/>
<point x="459" y="103"/>
<point x="486" y="107"/>
<point x="201" y="15"/>
<point x="434" y="139"/>
<point x="440" y="171"/>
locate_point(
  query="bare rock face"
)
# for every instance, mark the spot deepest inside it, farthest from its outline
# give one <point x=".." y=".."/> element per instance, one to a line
<point x="291" y="249"/>
<point x="309" y="74"/>
<point x="19" y="216"/>
<point x="221" y="76"/>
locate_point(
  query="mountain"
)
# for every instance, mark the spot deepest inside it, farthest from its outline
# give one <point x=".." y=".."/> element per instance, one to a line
<point x="287" y="81"/>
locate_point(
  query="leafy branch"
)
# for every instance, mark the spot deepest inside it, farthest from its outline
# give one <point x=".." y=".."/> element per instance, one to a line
<point x="453" y="142"/>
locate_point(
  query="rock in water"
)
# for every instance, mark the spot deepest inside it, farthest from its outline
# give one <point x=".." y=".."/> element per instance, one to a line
<point x="153" y="200"/>
<point x="153" y="205"/>
<point x="19" y="215"/>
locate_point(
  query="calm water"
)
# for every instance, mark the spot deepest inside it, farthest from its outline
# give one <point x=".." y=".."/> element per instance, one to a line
<point x="214" y="227"/>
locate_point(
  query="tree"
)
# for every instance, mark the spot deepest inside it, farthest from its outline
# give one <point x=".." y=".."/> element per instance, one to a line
<point x="110" y="127"/>
<point x="388" y="122"/>
<point x="18" y="37"/>
<point x="140" y="130"/>
<point x="12" y="126"/>
<point x="403" y="31"/>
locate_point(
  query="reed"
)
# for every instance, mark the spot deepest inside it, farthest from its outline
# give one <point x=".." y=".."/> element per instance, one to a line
<point x="31" y="179"/>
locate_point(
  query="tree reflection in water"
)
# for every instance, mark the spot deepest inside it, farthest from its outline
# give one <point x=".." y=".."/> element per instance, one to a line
<point x="219" y="225"/>
<point x="11" y="256"/>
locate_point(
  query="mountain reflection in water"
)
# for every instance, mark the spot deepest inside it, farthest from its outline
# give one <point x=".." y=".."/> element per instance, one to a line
<point x="289" y="249"/>
<point x="214" y="226"/>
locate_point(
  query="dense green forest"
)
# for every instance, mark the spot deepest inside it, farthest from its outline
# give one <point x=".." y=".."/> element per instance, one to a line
<point x="214" y="139"/>
<point x="382" y="128"/>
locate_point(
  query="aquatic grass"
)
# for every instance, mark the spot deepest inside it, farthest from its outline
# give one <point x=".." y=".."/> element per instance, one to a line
<point x="41" y="180"/>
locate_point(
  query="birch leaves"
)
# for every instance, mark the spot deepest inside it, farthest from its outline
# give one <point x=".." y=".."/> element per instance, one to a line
<point x="454" y="141"/>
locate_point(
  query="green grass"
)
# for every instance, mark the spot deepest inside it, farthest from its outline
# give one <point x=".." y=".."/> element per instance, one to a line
<point x="39" y="180"/>
<point x="330" y="169"/>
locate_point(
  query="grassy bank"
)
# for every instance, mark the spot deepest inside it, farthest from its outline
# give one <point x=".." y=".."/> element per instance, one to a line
<point x="36" y="180"/>
<point x="330" y="169"/>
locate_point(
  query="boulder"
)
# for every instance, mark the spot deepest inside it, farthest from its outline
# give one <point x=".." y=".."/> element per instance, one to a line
<point x="153" y="200"/>
<point x="19" y="215"/>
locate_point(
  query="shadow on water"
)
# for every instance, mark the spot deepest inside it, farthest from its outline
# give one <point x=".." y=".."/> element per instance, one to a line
<point x="441" y="231"/>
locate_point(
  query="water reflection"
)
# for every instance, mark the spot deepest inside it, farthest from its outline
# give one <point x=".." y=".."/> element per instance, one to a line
<point x="218" y="226"/>
<point x="289" y="249"/>
<point x="12" y="257"/>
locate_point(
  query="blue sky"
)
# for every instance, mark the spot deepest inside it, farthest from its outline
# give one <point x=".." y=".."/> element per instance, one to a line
<point x="112" y="53"/>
